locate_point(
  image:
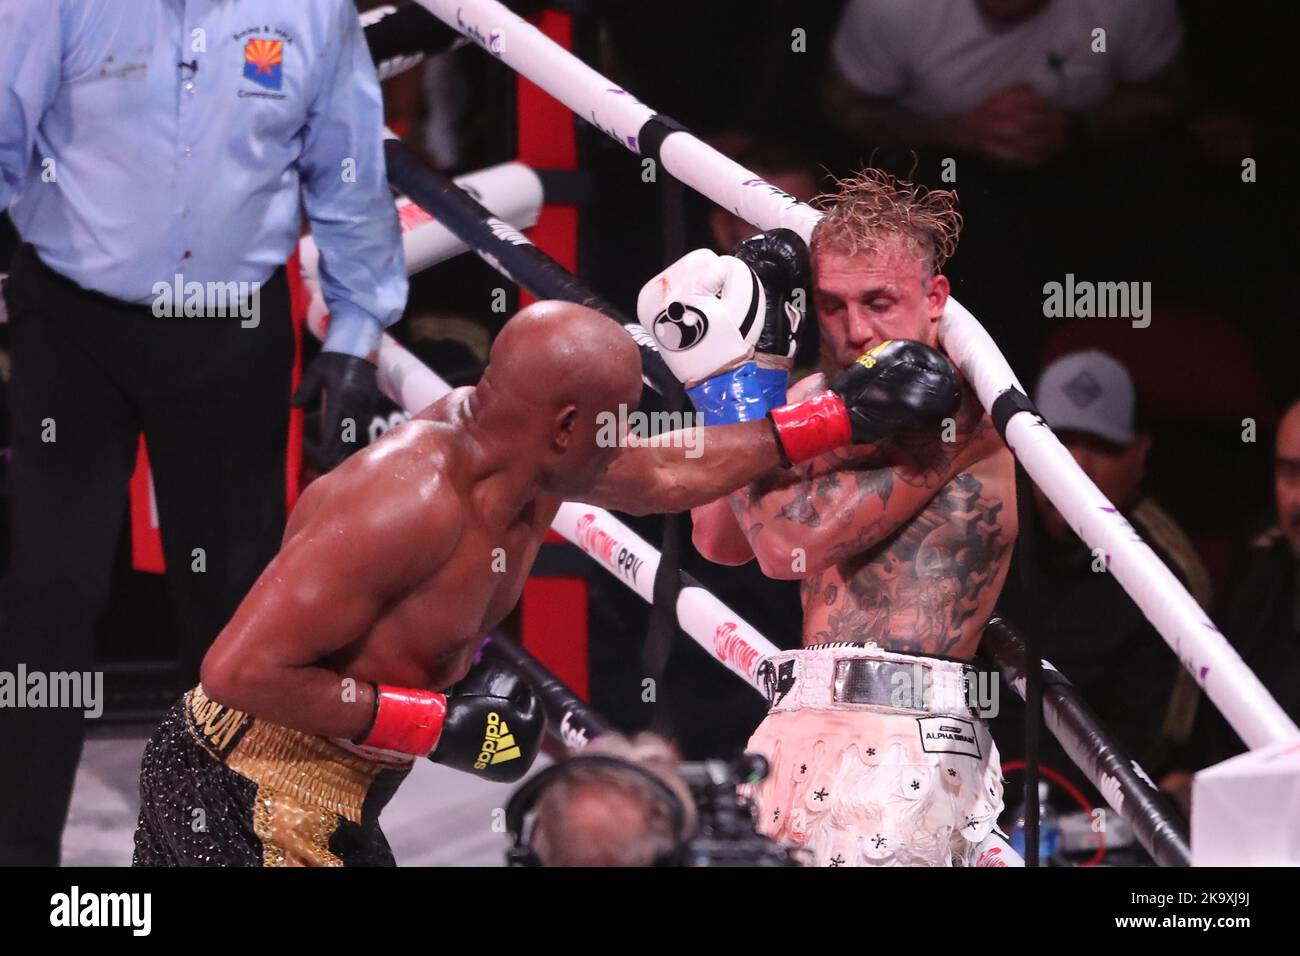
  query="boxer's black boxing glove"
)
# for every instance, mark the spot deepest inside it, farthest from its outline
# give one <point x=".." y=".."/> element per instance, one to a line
<point x="494" y="724"/>
<point x="898" y="386"/>
<point x="349" y="389"/>
<point x="780" y="260"/>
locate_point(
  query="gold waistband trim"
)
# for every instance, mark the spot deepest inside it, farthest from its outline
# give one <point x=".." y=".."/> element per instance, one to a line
<point x="311" y="770"/>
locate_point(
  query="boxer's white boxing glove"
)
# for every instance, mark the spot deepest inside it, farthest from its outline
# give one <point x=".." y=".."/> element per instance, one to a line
<point x="705" y="312"/>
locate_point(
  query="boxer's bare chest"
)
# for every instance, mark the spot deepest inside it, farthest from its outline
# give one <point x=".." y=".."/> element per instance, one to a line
<point x="929" y="587"/>
<point x="436" y="629"/>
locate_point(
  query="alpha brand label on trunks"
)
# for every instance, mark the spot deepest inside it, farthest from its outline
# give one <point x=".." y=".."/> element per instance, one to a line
<point x="604" y="547"/>
<point x="498" y="743"/>
<point x="948" y="735"/>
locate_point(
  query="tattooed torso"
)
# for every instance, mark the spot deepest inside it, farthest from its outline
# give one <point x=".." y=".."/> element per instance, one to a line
<point x="931" y="584"/>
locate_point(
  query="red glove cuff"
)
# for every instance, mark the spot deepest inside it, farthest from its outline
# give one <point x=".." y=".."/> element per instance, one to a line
<point x="408" y="721"/>
<point x="812" y="427"/>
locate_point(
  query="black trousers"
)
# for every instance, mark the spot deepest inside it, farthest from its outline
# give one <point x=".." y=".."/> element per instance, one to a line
<point x="89" y="375"/>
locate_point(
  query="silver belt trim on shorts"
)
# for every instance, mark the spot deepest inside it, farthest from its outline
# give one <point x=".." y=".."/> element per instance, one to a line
<point x="851" y="676"/>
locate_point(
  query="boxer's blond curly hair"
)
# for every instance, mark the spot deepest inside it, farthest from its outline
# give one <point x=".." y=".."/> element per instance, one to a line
<point x="873" y="206"/>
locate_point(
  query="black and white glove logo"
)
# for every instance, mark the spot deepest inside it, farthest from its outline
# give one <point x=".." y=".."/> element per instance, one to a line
<point x="776" y="682"/>
<point x="679" y="327"/>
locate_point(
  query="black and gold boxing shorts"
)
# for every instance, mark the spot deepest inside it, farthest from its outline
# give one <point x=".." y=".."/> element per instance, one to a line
<point x="221" y="788"/>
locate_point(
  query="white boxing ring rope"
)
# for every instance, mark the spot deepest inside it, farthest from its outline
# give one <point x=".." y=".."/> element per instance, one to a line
<point x="1202" y="649"/>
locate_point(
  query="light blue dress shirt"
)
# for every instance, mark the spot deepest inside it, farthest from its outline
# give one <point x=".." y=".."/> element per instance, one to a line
<point x="124" y="168"/>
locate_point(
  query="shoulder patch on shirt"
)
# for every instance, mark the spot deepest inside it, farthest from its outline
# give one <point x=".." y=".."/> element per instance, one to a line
<point x="264" y="61"/>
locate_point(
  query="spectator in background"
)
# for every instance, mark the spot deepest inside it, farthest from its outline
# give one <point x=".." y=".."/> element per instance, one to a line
<point x="1081" y="619"/>
<point x="789" y="168"/>
<point x="1262" y="618"/>
<point x="782" y="163"/>
<point x="1008" y="101"/>
<point x="1014" y="81"/>
<point x="454" y="345"/>
<point x="612" y="812"/>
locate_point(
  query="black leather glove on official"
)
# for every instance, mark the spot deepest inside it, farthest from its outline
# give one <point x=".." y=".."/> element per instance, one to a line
<point x="349" y="392"/>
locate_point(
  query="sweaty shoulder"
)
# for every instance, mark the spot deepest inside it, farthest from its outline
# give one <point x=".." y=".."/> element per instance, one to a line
<point x="398" y="495"/>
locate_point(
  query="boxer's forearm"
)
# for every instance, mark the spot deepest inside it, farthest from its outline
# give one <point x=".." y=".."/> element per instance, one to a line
<point x="312" y="700"/>
<point x="321" y="596"/>
<point x="687" y="468"/>
<point x="798" y="522"/>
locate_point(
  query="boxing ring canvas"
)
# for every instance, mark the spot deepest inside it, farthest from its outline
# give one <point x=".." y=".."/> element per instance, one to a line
<point x="439" y="816"/>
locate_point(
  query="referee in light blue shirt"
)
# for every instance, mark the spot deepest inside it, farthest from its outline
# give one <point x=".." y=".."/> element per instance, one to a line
<point x="158" y="158"/>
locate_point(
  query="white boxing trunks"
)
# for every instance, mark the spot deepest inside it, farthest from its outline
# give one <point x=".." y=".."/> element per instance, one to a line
<point x="877" y="759"/>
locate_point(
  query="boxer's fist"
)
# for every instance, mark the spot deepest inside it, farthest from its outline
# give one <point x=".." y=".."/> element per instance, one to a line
<point x="780" y="260"/>
<point x="705" y="312"/>
<point x="898" y="386"/>
<point x="494" y="724"/>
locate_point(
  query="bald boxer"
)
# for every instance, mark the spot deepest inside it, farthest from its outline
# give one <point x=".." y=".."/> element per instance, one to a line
<point x="330" y="679"/>
<point x="900" y="541"/>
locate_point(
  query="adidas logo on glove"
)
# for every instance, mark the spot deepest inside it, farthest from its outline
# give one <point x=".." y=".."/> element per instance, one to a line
<point x="498" y="743"/>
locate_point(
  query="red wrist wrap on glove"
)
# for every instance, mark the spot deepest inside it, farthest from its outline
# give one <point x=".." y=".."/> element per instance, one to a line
<point x="408" y="721"/>
<point x="812" y="427"/>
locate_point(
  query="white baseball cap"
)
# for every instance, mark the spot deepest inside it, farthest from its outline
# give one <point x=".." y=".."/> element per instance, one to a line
<point x="1088" y="392"/>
